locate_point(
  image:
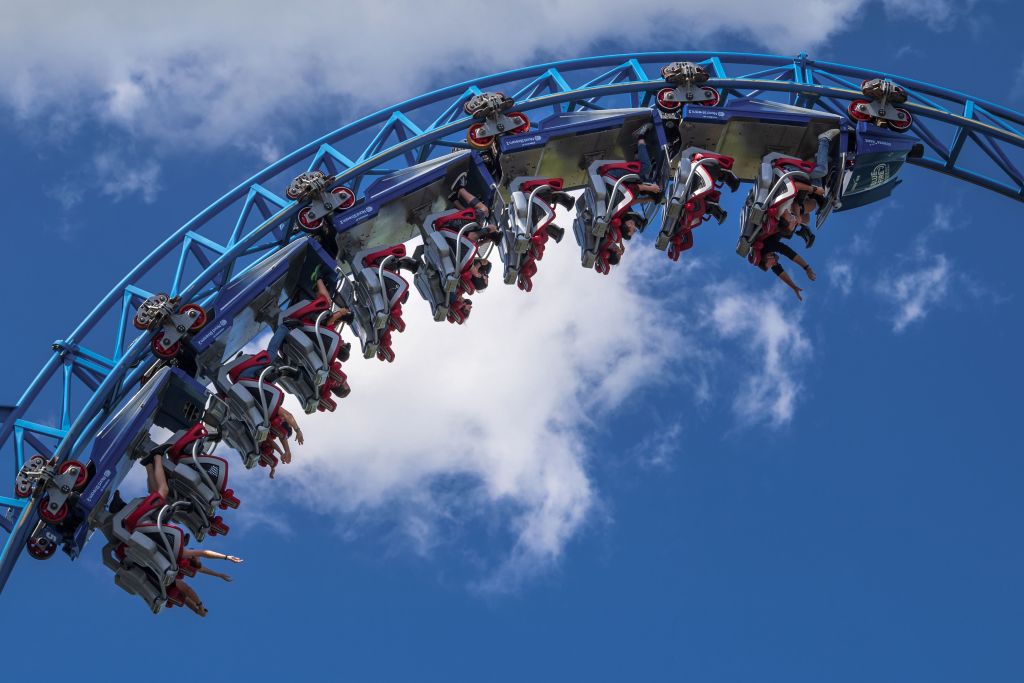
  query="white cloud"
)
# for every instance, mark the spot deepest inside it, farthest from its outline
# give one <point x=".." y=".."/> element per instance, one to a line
<point x="125" y="99"/>
<point x="914" y="292"/>
<point x="907" y="51"/>
<point x="841" y="277"/>
<point x="120" y="177"/>
<point x="267" y="150"/>
<point x="496" y="416"/>
<point x="68" y="195"/>
<point x="773" y="340"/>
<point x="217" y="74"/>
<point x="657" y="450"/>
<point x="939" y="15"/>
<point x="942" y="216"/>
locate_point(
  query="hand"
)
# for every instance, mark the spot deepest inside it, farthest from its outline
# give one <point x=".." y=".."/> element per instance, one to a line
<point x="232" y="558"/>
<point x="298" y="432"/>
<point x="225" y="577"/>
<point x="810" y="274"/>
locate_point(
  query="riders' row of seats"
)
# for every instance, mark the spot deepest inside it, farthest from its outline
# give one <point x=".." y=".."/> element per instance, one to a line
<point x="147" y="536"/>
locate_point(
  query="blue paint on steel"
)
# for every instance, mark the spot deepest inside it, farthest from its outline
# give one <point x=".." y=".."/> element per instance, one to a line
<point x="394" y="186"/>
<point x="564" y="125"/>
<point x="412" y="132"/>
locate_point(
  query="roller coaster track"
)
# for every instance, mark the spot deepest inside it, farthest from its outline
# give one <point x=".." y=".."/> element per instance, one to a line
<point x="92" y="371"/>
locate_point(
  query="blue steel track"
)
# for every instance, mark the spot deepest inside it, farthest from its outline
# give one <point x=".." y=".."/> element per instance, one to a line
<point x="91" y="372"/>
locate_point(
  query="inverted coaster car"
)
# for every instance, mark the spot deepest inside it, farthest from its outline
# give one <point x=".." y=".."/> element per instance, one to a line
<point x="775" y="190"/>
<point x="693" y="198"/>
<point x="527" y="223"/>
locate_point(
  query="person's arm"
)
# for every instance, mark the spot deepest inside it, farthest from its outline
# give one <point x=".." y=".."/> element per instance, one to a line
<point x="219" y="575"/>
<point x="210" y="554"/>
<point x="799" y="260"/>
<point x="796" y="258"/>
<point x="290" y="419"/>
<point x="784" y="276"/>
<point x="471" y="200"/>
<point x="810" y="189"/>
<point x="287" y="416"/>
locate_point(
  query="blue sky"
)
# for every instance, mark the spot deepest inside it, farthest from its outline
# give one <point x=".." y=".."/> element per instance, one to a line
<point x="616" y="510"/>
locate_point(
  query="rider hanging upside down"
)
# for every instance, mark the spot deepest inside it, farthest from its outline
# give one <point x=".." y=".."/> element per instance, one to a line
<point x="187" y="593"/>
<point x="612" y="249"/>
<point x="810" y="197"/>
<point x="627" y="224"/>
<point x="648" y="188"/>
<point x="277" y="443"/>
<point x="486" y="230"/>
<point x="179" y="591"/>
<point x="342" y="315"/>
<point x="461" y="198"/>
<point x="459" y="310"/>
<point x="338" y="385"/>
<point x="479" y="273"/>
<point x="795" y="217"/>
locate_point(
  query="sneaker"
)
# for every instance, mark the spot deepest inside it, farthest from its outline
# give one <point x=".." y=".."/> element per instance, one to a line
<point x="117" y="503"/>
<point x="829" y="135"/>
<point x="717" y="212"/>
<point x="641" y="131"/>
<point x="408" y="263"/>
<point x="460" y="182"/>
<point x="564" y="199"/>
<point x="731" y="180"/>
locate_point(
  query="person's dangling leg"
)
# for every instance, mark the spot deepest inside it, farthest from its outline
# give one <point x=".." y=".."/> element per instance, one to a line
<point x="191" y="597"/>
<point x="156" y="479"/>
